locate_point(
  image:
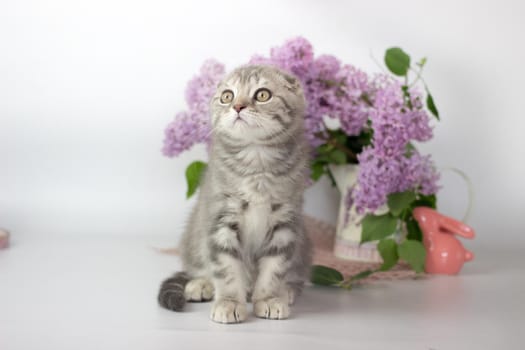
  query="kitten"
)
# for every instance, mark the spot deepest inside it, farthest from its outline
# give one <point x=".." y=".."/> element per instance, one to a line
<point x="245" y="238"/>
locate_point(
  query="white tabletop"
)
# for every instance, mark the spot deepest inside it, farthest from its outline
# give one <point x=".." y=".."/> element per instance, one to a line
<point x="99" y="292"/>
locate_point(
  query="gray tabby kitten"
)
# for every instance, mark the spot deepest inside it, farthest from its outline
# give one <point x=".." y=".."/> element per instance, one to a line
<point x="245" y="238"/>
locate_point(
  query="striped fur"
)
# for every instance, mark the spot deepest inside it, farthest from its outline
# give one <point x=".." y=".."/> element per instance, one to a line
<point x="171" y="294"/>
<point x="245" y="235"/>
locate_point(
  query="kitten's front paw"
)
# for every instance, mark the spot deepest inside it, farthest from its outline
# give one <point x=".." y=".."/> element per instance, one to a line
<point x="272" y="308"/>
<point x="228" y="311"/>
<point x="199" y="289"/>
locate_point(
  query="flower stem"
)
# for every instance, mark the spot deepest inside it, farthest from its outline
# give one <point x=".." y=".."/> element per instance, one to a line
<point x="366" y="99"/>
<point x="340" y="147"/>
<point x="418" y="77"/>
<point x="333" y="142"/>
<point x="331" y="176"/>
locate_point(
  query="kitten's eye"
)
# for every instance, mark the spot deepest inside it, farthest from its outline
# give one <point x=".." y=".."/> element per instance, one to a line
<point x="227" y="96"/>
<point x="262" y="95"/>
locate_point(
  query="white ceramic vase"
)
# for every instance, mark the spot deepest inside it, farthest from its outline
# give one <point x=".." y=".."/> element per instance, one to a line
<point x="347" y="243"/>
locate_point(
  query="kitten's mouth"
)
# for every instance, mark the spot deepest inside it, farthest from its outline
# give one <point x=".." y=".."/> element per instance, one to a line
<point x="239" y="119"/>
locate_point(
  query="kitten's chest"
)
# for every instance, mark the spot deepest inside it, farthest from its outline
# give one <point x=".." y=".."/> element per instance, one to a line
<point x="257" y="188"/>
<point x="257" y="214"/>
<point x="256" y="223"/>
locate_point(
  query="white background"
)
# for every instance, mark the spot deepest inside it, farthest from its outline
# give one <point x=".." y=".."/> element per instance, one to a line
<point x="87" y="87"/>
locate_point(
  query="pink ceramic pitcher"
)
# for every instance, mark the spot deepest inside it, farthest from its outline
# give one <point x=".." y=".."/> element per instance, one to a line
<point x="445" y="253"/>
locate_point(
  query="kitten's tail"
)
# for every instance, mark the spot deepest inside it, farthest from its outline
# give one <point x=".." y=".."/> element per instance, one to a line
<point x="171" y="293"/>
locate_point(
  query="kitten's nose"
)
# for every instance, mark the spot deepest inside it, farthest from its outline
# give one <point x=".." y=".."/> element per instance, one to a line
<point x="239" y="107"/>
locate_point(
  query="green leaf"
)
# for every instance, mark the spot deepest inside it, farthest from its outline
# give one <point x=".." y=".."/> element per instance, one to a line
<point x="337" y="156"/>
<point x="409" y="150"/>
<point x="325" y="276"/>
<point x="422" y="62"/>
<point x="425" y="201"/>
<point x="193" y="176"/>
<point x="377" y="227"/>
<point x="365" y="137"/>
<point x="317" y="171"/>
<point x="397" y="202"/>
<point x="325" y="148"/>
<point x="388" y="250"/>
<point x="340" y="138"/>
<point x="432" y="106"/>
<point x="323" y="158"/>
<point x="414" y="231"/>
<point x="414" y="253"/>
<point x="397" y="61"/>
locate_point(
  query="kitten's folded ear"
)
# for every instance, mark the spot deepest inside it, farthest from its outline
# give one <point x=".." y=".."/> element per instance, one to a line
<point x="291" y="82"/>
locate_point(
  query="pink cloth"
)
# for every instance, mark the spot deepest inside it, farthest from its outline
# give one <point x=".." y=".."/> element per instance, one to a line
<point x="323" y="235"/>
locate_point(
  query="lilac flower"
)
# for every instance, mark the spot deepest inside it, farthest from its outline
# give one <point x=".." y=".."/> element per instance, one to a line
<point x="259" y="59"/>
<point x="395" y="124"/>
<point x="384" y="167"/>
<point x="193" y="126"/>
<point x="335" y="91"/>
<point x="313" y="124"/>
<point x="201" y="87"/>
<point x="319" y="89"/>
<point x="417" y="119"/>
<point x="295" y="56"/>
<point x="354" y="110"/>
<point x="379" y="175"/>
<point x="180" y="135"/>
<point x="419" y="172"/>
<point x="324" y="67"/>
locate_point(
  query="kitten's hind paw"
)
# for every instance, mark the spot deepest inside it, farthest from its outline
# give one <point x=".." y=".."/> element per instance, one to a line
<point x="199" y="289"/>
<point x="272" y="308"/>
<point x="228" y="311"/>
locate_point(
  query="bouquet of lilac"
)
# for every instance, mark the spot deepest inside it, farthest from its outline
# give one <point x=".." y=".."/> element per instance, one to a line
<point x="379" y="118"/>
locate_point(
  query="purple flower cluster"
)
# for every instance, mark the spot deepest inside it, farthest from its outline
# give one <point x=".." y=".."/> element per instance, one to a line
<point x="193" y="126"/>
<point x="380" y="175"/>
<point x="338" y="91"/>
<point x="387" y="166"/>
<point x="393" y="122"/>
